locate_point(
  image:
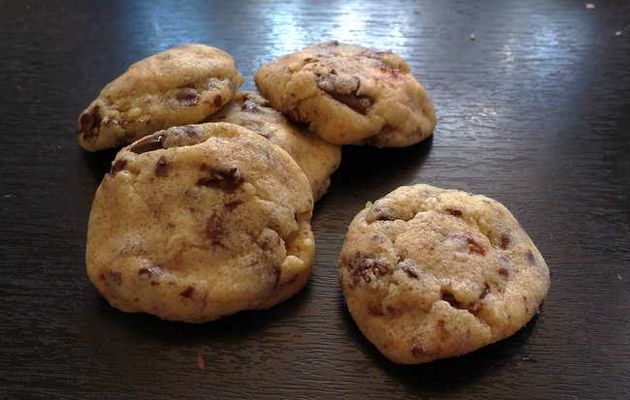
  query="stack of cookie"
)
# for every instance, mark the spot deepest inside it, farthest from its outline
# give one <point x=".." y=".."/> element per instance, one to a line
<point x="207" y="210"/>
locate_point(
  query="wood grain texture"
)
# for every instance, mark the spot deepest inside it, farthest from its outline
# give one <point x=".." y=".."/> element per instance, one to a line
<point x="534" y="112"/>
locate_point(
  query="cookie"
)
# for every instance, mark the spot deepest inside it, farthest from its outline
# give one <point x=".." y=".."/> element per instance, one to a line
<point x="317" y="158"/>
<point x="350" y="95"/>
<point x="183" y="85"/>
<point x="201" y="221"/>
<point x="430" y="273"/>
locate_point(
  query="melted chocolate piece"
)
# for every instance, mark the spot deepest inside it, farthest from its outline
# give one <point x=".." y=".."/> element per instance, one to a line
<point x="118" y="166"/>
<point x="147" y="144"/>
<point x="454" y="212"/>
<point x="227" y="180"/>
<point x="344" y="90"/>
<point x="475" y="247"/>
<point x="90" y="122"/>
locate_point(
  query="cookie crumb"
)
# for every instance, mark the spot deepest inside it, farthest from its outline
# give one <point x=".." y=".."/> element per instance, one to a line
<point x="201" y="361"/>
<point x="590" y="6"/>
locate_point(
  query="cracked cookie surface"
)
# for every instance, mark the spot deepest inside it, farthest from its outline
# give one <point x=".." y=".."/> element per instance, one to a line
<point x="350" y="95"/>
<point x="182" y="85"/>
<point x="200" y="221"/>
<point x="317" y="158"/>
<point x="430" y="273"/>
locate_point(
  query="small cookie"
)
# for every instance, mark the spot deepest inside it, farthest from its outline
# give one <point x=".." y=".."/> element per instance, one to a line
<point x="430" y="273"/>
<point x="350" y="95"/>
<point x="201" y="221"/>
<point x="183" y="85"/>
<point x="317" y="158"/>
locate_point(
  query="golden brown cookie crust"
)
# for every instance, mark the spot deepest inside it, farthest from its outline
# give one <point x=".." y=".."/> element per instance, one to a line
<point x="430" y="273"/>
<point x="182" y="85"/>
<point x="198" y="222"/>
<point x="317" y="158"/>
<point x="350" y="95"/>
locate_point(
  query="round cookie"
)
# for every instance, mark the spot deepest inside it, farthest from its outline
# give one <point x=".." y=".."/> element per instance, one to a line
<point x="350" y="95"/>
<point x="430" y="273"/>
<point x="201" y="221"/>
<point x="183" y="85"/>
<point x="317" y="158"/>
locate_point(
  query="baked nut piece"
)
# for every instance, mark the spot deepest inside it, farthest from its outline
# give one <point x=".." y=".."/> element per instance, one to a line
<point x="317" y="158"/>
<point x="201" y="221"/>
<point x="350" y="95"/>
<point x="430" y="273"/>
<point x="183" y="85"/>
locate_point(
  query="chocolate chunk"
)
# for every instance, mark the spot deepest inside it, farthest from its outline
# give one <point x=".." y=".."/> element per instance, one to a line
<point x="145" y="272"/>
<point x="118" y="166"/>
<point x="188" y="292"/>
<point x="90" y="122"/>
<point x="365" y="268"/>
<point x="218" y="100"/>
<point x="486" y="291"/>
<point x="475" y="247"/>
<point x="503" y="272"/>
<point x="448" y="297"/>
<point x="227" y="180"/>
<point x="148" y="143"/>
<point x="382" y="214"/>
<point x="531" y="258"/>
<point x="454" y="212"/>
<point x="344" y="90"/>
<point x="505" y="241"/>
<point x="214" y="228"/>
<point x="474" y="307"/>
<point x="410" y="273"/>
<point x="161" y="167"/>
<point x="187" y="97"/>
<point x="359" y="104"/>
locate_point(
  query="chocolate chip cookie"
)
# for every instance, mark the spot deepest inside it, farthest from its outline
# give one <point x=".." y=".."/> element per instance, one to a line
<point x="350" y="95"/>
<point x="429" y="273"/>
<point x="317" y="158"/>
<point x="201" y="221"/>
<point x="183" y="85"/>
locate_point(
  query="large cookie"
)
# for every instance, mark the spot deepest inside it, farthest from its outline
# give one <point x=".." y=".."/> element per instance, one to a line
<point x="429" y="273"/>
<point x="350" y="95"/>
<point x="183" y="85"/>
<point x="317" y="158"/>
<point x="198" y="222"/>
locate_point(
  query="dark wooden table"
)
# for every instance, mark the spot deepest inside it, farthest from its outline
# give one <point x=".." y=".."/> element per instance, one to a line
<point x="535" y="112"/>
